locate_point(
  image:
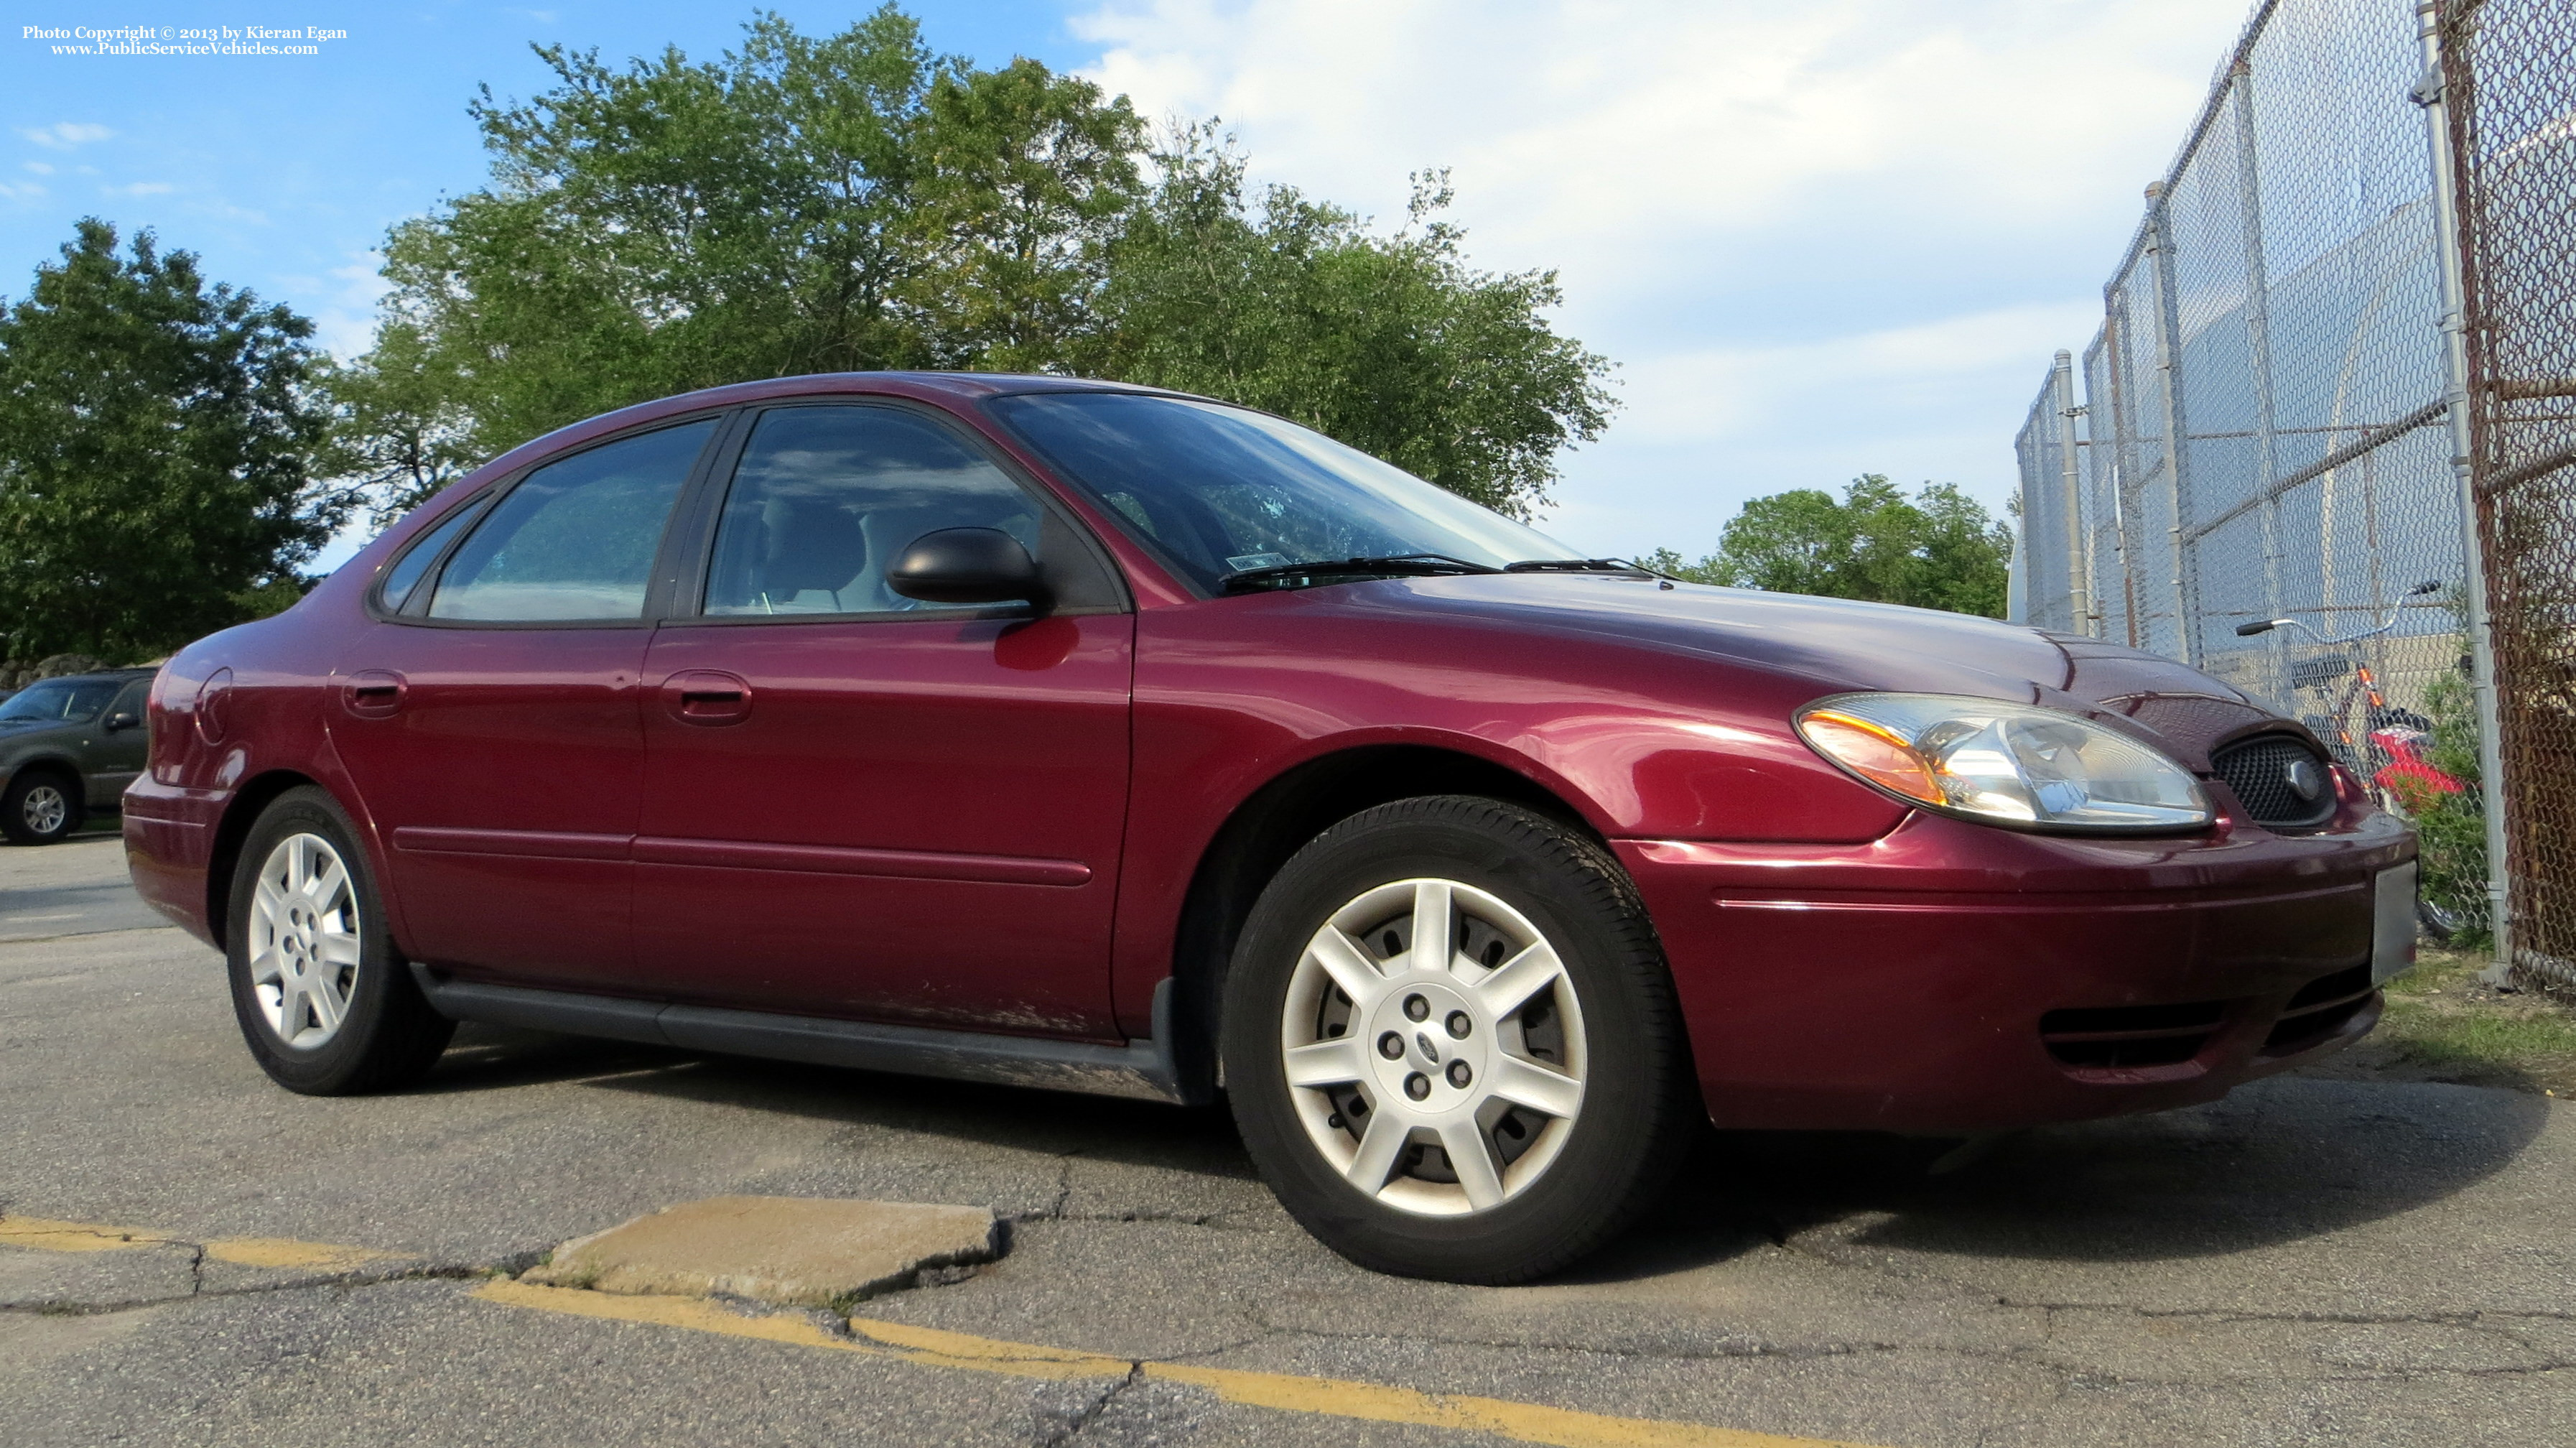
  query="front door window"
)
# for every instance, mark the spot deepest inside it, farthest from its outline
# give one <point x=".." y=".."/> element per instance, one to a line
<point x="826" y="498"/>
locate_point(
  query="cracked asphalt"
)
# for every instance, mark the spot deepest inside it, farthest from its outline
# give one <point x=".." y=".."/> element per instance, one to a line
<point x="2312" y="1260"/>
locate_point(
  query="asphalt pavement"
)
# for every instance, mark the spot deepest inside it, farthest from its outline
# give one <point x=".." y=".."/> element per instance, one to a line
<point x="2310" y="1261"/>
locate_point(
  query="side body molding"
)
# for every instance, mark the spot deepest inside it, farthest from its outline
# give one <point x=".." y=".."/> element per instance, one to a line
<point x="1142" y="1070"/>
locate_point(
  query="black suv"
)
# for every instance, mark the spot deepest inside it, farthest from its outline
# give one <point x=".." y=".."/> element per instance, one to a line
<point x="68" y="746"/>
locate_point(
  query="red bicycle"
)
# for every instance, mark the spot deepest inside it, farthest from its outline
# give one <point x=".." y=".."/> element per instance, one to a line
<point x="2392" y="749"/>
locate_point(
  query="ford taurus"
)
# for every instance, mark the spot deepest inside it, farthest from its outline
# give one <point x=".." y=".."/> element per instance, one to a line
<point x="1099" y="739"/>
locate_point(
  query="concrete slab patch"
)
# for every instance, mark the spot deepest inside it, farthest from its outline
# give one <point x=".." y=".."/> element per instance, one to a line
<point x="797" y="1251"/>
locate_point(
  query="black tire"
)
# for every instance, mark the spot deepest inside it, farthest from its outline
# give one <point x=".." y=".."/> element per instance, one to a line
<point x="387" y="1036"/>
<point x="1639" y="1100"/>
<point x="41" y="805"/>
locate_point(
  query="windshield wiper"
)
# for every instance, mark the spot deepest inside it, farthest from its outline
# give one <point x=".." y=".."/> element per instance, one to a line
<point x="1577" y="565"/>
<point x="1398" y="565"/>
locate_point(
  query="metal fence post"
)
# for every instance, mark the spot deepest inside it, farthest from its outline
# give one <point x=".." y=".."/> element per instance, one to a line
<point x="2079" y="568"/>
<point x="2447" y="222"/>
<point x="2258" y="343"/>
<point x="2169" y="365"/>
<point x="2124" y="433"/>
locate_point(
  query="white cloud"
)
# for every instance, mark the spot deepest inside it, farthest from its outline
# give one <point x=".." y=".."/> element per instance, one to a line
<point x="40" y="168"/>
<point x="346" y="322"/>
<point x="141" y="188"/>
<point x="1820" y="238"/>
<point x="1720" y="393"/>
<point x="1605" y="129"/>
<point x="21" y="191"/>
<point x="64" y="135"/>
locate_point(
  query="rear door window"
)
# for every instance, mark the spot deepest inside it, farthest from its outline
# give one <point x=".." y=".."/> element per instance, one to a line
<point x="408" y="570"/>
<point x="576" y="539"/>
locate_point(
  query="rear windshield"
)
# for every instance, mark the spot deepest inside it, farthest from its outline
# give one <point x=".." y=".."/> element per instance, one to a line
<point x="1225" y="489"/>
<point x="59" y="700"/>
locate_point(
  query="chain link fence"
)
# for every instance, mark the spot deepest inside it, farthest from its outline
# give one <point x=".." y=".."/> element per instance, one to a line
<point x="2508" y="76"/>
<point x="2267" y="424"/>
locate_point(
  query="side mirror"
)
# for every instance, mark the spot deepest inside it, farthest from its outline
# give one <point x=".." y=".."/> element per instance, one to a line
<point x="122" y="720"/>
<point x="967" y="565"/>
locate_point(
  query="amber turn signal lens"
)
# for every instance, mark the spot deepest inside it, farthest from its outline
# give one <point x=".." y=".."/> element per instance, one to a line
<point x="1872" y="752"/>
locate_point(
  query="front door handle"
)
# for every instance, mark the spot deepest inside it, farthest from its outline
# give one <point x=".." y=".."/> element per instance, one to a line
<point x="706" y="697"/>
<point x="372" y="693"/>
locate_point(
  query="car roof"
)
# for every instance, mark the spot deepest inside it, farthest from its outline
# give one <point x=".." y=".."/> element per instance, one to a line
<point x="954" y="386"/>
<point x="97" y="675"/>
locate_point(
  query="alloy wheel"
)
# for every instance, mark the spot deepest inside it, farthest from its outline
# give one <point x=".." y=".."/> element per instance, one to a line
<point x="304" y="941"/>
<point x="45" y="809"/>
<point x="1434" y="1047"/>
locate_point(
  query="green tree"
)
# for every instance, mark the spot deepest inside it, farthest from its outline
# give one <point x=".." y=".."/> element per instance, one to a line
<point x="800" y="204"/>
<point x="849" y="202"/>
<point x="1024" y="176"/>
<point x="1393" y="344"/>
<point x="1939" y="549"/>
<point x="398" y="433"/>
<point x="155" y="433"/>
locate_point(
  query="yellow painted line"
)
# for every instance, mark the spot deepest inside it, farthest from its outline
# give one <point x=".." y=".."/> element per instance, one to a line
<point x="45" y="1235"/>
<point x="934" y="1347"/>
<point x="1330" y="1397"/>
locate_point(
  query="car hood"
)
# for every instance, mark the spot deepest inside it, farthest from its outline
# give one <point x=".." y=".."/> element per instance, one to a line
<point x="1843" y="644"/>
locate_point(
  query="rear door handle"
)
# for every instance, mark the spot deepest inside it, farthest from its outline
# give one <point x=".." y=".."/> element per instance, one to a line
<point x="372" y="693"/>
<point x="706" y="697"/>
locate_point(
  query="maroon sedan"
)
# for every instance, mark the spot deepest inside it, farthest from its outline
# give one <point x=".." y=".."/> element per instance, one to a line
<point x="1088" y="737"/>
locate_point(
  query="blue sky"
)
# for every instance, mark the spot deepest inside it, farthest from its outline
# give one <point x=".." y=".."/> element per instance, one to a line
<point x="1820" y="239"/>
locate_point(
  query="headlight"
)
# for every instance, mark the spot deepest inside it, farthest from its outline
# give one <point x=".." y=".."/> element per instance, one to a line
<point x="2008" y="764"/>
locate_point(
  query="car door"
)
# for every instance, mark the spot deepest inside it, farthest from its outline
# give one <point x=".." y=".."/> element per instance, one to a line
<point x="118" y="748"/>
<point x="862" y="806"/>
<point x="488" y="715"/>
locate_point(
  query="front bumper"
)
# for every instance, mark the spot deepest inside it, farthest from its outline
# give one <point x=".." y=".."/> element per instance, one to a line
<point x="1957" y="977"/>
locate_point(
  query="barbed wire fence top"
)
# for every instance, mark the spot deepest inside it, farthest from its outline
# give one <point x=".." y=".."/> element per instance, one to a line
<point x="2262" y="428"/>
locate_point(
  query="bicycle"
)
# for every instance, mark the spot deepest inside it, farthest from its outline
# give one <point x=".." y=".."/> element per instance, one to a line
<point x="2392" y="752"/>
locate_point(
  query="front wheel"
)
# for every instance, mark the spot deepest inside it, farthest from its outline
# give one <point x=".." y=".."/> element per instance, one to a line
<point x="1451" y="1044"/>
<point x="40" y="807"/>
<point x="323" y="999"/>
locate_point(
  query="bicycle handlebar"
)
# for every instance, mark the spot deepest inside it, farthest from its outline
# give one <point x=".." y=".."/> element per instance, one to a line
<point x="2266" y="625"/>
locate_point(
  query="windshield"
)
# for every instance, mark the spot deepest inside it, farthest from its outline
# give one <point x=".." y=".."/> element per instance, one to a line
<point x="1224" y="490"/>
<point x="58" y="701"/>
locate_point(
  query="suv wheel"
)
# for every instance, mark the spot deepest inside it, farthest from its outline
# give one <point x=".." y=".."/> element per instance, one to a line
<point x="326" y="1005"/>
<point x="39" y="807"/>
<point x="1451" y="1043"/>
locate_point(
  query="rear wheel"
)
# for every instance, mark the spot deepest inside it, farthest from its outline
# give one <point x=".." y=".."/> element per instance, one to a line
<point x="327" y="1007"/>
<point x="2438" y="921"/>
<point x="1451" y="1044"/>
<point x="40" y="806"/>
